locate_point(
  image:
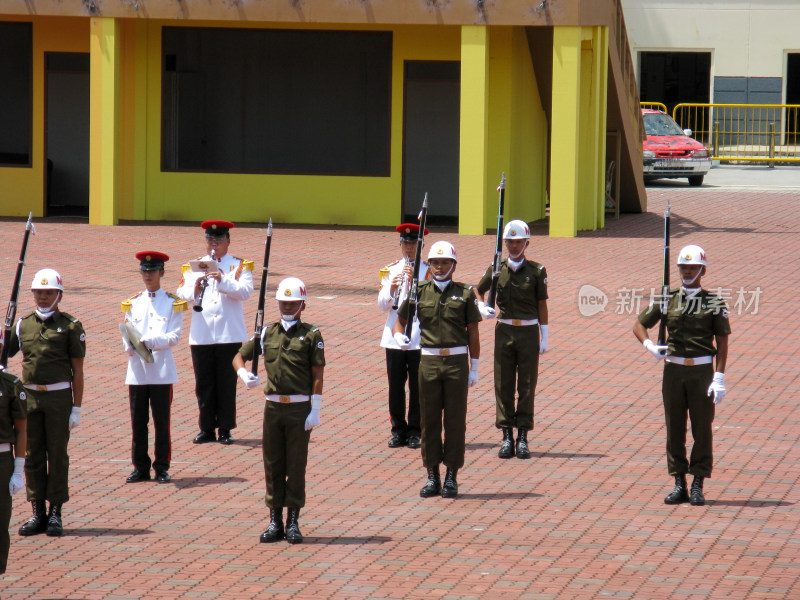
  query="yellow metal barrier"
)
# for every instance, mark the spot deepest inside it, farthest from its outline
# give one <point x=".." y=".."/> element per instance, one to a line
<point x="653" y="106"/>
<point x="744" y="132"/>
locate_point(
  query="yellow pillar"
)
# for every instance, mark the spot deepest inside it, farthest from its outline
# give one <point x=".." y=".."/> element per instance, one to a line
<point x="104" y="121"/>
<point x="472" y="179"/>
<point x="564" y="144"/>
<point x="600" y="72"/>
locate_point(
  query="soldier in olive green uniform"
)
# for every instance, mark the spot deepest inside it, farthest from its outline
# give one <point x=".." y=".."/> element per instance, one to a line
<point x="53" y="346"/>
<point x="13" y="435"/>
<point x="522" y="300"/>
<point x="294" y="357"/>
<point x="448" y="318"/>
<point x="698" y="329"/>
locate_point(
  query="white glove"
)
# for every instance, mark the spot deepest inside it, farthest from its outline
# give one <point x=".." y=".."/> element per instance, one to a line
<point x="74" y="417"/>
<point x="250" y="379"/>
<point x="312" y="420"/>
<point x="147" y="342"/>
<point x="130" y="351"/>
<point x="487" y="312"/>
<point x="658" y="351"/>
<point x="16" y="483"/>
<point x="472" y="377"/>
<point x="543" y="341"/>
<point x="402" y="340"/>
<point x="717" y="388"/>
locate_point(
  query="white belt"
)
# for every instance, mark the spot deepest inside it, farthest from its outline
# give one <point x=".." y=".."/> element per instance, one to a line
<point x="5" y="448"/>
<point x="444" y="351"/>
<point x="518" y="322"/>
<point x="689" y="362"/>
<point x="50" y="387"/>
<point x="286" y="399"/>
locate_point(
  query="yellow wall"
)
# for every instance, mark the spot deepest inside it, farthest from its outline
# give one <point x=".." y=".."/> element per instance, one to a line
<point x="287" y="199"/>
<point x="22" y="189"/>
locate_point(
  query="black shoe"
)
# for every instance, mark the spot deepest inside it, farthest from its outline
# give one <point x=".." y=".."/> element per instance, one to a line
<point x="204" y="437"/>
<point x="433" y="486"/>
<point x="274" y="531"/>
<point x="38" y="522"/>
<point x="450" y="485"/>
<point x="293" y="535"/>
<point x="397" y="440"/>
<point x="507" y="447"/>
<point x="225" y="437"/>
<point x="138" y="476"/>
<point x="696" y="497"/>
<point x="162" y="477"/>
<point x="522" y="444"/>
<point x="54" y="525"/>
<point x="678" y="495"/>
<point x="414" y="441"/>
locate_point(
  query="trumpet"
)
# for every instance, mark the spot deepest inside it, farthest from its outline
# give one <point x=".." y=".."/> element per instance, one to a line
<point x="198" y="306"/>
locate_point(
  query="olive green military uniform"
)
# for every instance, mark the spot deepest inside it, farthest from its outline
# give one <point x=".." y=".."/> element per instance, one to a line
<point x="443" y="318"/>
<point x="692" y="323"/>
<point x="288" y="358"/>
<point x="12" y="407"/>
<point x="48" y="348"/>
<point x="516" y="346"/>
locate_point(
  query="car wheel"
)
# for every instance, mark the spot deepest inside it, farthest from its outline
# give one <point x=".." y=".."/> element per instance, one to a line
<point x="696" y="180"/>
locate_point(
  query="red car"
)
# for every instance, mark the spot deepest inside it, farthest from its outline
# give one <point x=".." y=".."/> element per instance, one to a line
<point x="669" y="152"/>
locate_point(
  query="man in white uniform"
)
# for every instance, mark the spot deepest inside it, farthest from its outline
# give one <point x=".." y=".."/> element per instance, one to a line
<point x="157" y="317"/>
<point x="218" y="329"/>
<point x="402" y="365"/>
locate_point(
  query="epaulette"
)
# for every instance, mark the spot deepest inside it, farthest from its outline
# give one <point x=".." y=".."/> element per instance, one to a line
<point x="246" y="264"/>
<point x="70" y="317"/>
<point x="384" y="271"/>
<point x="178" y="304"/>
<point x="12" y="379"/>
<point x="185" y="267"/>
<point x="126" y="304"/>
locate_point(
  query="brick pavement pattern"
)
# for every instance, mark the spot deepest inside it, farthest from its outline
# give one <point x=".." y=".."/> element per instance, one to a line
<point x="583" y="519"/>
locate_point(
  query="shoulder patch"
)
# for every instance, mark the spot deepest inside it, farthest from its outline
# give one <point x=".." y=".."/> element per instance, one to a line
<point x="248" y="265"/>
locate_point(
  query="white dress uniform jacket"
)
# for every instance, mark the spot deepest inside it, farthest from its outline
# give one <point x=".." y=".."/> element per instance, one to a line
<point x="159" y="321"/>
<point x="222" y="319"/>
<point x="385" y="301"/>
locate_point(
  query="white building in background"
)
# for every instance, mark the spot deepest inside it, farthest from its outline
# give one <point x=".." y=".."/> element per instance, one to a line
<point x="721" y="51"/>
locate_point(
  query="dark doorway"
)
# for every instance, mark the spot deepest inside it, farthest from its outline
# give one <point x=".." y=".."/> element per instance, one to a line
<point x="67" y="134"/>
<point x="431" y="138"/>
<point x="793" y="97"/>
<point x="674" y="77"/>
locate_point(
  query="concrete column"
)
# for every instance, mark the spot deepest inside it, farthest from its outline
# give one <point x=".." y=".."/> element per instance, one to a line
<point x="564" y="142"/>
<point x="104" y="122"/>
<point x="472" y="180"/>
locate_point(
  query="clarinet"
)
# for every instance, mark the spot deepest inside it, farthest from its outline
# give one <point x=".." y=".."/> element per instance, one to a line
<point x="198" y="306"/>
<point x="396" y="300"/>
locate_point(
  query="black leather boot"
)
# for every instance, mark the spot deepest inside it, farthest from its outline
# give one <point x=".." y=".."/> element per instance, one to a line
<point x="696" y="497"/>
<point x="450" y="485"/>
<point x="433" y="486"/>
<point x="54" y="526"/>
<point x="274" y="531"/>
<point x="38" y="522"/>
<point x="522" y="444"/>
<point x="507" y="447"/>
<point x="678" y="495"/>
<point x="293" y="535"/>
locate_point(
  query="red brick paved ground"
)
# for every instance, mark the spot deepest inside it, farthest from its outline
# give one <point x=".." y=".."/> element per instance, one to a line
<point x="583" y="519"/>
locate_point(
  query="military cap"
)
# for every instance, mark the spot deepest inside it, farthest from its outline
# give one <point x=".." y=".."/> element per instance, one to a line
<point x="216" y="228"/>
<point x="151" y="260"/>
<point x="409" y="232"/>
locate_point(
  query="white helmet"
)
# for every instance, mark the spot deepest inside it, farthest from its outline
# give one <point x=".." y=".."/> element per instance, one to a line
<point x="442" y="250"/>
<point x="516" y="230"/>
<point x="291" y="289"/>
<point x="47" y="279"/>
<point x="692" y="255"/>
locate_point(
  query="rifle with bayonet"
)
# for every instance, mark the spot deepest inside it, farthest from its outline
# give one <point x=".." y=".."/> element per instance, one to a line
<point x="662" y="327"/>
<point x="11" y="314"/>
<point x="498" y="253"/>
<point x="414" y="291"/>
<point x="261" y="294"/>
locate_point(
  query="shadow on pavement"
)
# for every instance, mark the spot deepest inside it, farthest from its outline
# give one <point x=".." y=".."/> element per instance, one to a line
<point x="190" y="482"/>
<point x="95" y="531"/>
<point x="500" y="496"/>
<point x="347" y="540"/>
<point x="749" y="503"/>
